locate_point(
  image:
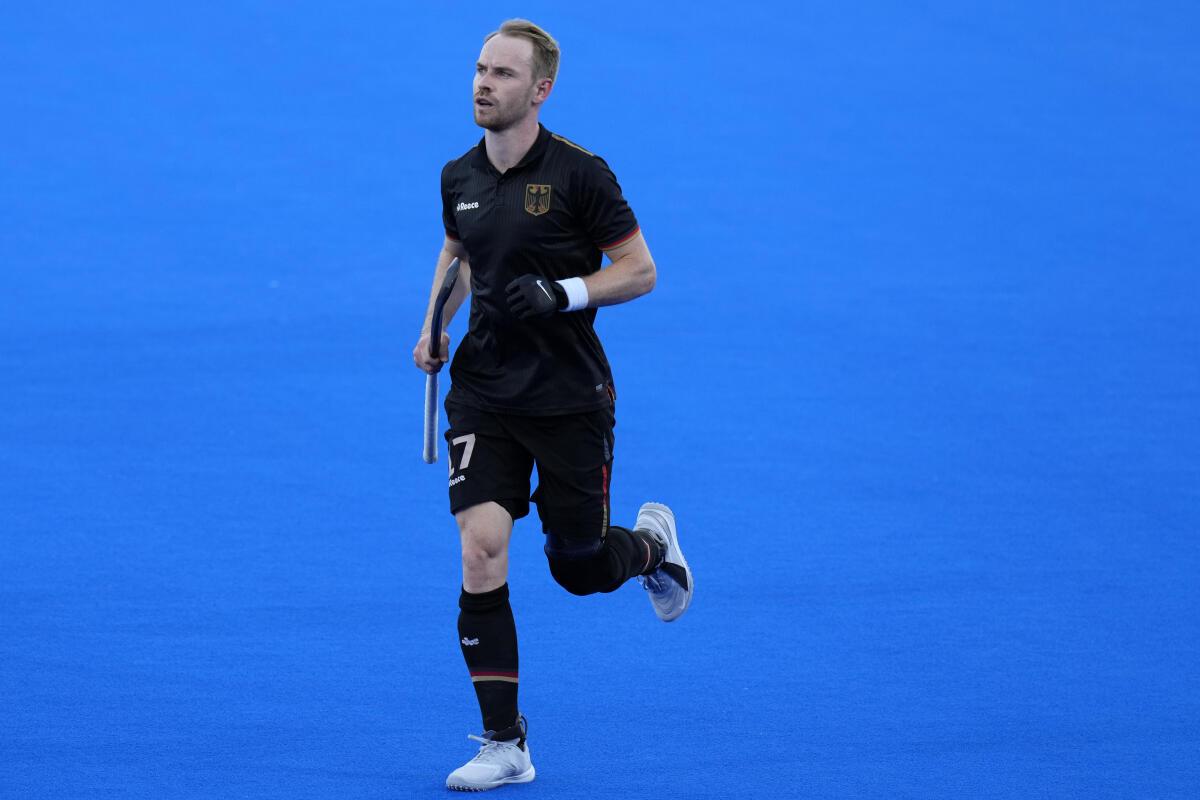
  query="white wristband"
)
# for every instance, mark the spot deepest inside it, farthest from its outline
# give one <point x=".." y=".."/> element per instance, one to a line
<point x="577" y="296"/>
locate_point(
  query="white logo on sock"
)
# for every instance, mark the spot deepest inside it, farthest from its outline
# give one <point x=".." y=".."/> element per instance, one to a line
<point x="470" y="642"/>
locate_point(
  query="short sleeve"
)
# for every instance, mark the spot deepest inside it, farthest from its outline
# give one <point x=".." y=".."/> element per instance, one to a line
<point x="608" y="219"/>
<point x="448" y="219"/>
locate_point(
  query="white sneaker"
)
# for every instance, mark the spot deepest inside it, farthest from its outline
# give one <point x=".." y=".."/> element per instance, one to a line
<point x="496" y="764"/>
<point x="670" y="586"/>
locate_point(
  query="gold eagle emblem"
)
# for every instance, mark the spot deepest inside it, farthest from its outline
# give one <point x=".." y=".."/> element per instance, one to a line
<point x="537" y="198"/>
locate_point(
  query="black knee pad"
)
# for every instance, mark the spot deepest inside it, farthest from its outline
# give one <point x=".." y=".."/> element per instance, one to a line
<point x="578" y="565"/>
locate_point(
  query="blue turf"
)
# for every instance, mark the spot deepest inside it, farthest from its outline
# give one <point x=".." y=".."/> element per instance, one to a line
<point x="920" y="379"/>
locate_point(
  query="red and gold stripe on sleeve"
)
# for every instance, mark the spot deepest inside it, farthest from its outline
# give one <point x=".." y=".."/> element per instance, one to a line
<point x="623" y="239"/>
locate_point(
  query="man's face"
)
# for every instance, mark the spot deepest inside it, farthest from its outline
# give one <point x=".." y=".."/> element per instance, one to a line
<point x="504" y="89"/>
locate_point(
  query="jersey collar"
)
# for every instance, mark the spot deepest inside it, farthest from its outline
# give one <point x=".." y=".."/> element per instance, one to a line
<point x="532" y="155"/>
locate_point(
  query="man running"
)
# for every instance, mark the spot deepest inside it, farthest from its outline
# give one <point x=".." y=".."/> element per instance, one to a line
<point x="529" y="215"/>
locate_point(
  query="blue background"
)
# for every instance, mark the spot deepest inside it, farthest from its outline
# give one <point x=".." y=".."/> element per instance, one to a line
<point x="920" y="379"/>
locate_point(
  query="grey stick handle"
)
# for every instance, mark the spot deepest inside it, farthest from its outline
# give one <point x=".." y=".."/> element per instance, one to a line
<point x="430" y="451"/>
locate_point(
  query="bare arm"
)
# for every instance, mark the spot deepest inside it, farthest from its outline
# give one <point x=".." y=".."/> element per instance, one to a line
<point x="630" y="275"/>
<point x="450" y="251"/>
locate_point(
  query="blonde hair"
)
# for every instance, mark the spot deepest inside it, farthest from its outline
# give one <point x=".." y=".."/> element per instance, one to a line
<point x="545" y="49"/>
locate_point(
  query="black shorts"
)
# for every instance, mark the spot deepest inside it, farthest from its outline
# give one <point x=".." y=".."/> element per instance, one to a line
<point x="492" y="458"/>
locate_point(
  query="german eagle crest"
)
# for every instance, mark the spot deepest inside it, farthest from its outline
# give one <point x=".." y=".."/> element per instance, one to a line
<point x="537" y="198"/>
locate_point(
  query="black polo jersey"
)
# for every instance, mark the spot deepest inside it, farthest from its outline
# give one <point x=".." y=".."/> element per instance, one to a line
<point x="550" y="215"/>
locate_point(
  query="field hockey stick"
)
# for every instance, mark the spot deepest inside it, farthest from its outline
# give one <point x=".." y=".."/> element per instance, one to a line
<point x="429" y="452"/>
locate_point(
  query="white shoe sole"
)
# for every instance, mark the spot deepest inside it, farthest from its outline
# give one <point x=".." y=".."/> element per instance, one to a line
<point x="524" y="777"/>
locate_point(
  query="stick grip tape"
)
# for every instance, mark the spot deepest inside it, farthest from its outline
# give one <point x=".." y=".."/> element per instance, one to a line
<point x="430" y="451"/>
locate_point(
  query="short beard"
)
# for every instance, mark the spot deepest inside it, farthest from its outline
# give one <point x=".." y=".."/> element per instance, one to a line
<point x="497" y="123"/>
<point x="502" y="121"/>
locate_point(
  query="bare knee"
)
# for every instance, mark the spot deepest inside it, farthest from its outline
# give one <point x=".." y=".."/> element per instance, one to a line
<point x="484" y="535"/>
<point x="480" y="553"/>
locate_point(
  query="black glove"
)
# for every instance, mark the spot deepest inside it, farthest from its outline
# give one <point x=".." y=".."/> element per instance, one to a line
<point x="534" y="296"/>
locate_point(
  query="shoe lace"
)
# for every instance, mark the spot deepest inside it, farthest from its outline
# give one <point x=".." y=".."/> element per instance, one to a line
<point x="491" y="751"/>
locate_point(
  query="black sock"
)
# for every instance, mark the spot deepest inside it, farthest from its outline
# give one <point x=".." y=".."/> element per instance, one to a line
<point x="647" y="552"/>
<point x="488" y="637"/>
<point x="656" y="552"/>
